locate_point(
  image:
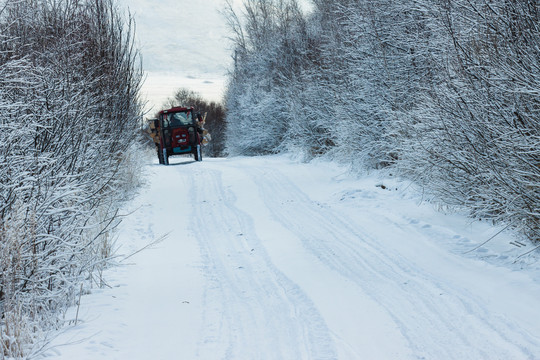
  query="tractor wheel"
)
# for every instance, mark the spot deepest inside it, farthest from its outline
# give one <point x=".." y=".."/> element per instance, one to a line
<point x="165" y="157"/>
<point x="198" y="153"/>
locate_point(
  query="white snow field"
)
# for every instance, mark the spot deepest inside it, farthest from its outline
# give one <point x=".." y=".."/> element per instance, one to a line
<point x="270" y="258"/>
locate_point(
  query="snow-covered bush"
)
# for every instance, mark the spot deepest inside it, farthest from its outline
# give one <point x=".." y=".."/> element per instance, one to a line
<point x="258" y="101"/>
<point x="478" y="142"/>
<point x="444" y="92"/>
<point x="68" y="116"/>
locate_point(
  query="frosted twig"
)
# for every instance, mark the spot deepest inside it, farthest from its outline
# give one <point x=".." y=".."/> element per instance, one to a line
<point x="157" y="241"/>
<point x="485" y="242"/>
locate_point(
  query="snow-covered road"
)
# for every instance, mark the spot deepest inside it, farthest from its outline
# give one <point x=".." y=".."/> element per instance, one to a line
<point x="267" y="258"/>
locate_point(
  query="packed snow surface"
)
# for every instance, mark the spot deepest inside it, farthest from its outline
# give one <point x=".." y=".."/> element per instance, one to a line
<point x="269" y="258"/>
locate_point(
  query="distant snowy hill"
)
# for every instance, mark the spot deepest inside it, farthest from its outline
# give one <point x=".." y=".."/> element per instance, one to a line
<point x="183" y="44"/>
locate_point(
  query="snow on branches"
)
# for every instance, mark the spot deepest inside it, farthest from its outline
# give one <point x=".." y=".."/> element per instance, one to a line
<point x="69" y="112"/>
<point x="445" y="92"/>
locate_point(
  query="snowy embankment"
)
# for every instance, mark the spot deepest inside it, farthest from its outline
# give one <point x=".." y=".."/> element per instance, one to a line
<point x="266" y="258"/>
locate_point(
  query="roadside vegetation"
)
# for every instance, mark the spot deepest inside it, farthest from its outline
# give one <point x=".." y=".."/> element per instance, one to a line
<point x="444" y="93"/>
<point x="69" y="120"/>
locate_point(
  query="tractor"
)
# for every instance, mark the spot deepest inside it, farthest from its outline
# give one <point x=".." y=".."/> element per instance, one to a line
<point x="177" y="131"/>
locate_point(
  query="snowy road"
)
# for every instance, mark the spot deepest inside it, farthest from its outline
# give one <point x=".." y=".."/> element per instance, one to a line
<point x="266" y="258"/>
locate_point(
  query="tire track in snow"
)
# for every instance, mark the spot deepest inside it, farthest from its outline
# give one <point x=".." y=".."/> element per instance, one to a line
<point x="458" y="326"/>
<point x="262" y="314"/>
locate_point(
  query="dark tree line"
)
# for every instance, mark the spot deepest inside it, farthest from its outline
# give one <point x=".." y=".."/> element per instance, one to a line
<point x="69" y="115"/>
<point x="443" y="92"/>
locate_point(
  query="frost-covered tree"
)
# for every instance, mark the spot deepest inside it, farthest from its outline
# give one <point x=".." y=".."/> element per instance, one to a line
<point x="443" y="92"/>
<point x="258" y="102"/>
<point x="478" y="143"/>
<point x="69" y="110"/>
